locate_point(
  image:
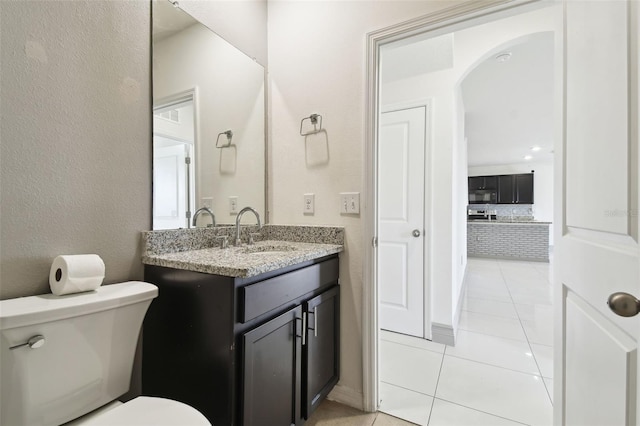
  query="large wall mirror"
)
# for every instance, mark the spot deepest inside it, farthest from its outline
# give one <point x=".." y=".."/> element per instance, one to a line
<point x="208" y="124"/>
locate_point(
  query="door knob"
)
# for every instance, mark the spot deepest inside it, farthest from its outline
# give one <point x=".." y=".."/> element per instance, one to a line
<point x="624" y="304"/>
<point x="416" y="233"/>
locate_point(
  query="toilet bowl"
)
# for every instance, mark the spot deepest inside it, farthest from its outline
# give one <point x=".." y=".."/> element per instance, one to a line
<point x="143" y="411"/>
<point x="69" y="358"/>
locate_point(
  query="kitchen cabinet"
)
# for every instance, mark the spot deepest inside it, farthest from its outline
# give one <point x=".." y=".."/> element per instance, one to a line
<point x="244" y="351"/>
<point x="514" y="189"/>
<point x="483" y="182"/>
<point x="524" y="189"/>
<point x="506" y="185"/>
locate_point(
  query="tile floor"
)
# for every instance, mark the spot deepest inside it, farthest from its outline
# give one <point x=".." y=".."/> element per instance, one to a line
<point x="501" y="370"/>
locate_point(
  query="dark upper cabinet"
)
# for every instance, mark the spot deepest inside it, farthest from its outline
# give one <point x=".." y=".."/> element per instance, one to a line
<point x="483" y="182"/>
<point x="524" y="189"/>
<point x="506" y="187"/>
<point x="515" y="189"/>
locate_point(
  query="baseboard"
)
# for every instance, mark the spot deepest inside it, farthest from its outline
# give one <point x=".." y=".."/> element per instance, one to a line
<point x="443" y="333"/>
<point x="347" y="396"/>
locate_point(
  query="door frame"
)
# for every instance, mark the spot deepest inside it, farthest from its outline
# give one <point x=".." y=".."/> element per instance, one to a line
<point x="427" y="103"/>
<point x="187" y="95"/>
<point x="443" y="20"/>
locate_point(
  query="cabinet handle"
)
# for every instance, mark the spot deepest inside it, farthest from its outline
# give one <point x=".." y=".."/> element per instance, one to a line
<point x="304" y="328"/>
<point x="315" y="321"/>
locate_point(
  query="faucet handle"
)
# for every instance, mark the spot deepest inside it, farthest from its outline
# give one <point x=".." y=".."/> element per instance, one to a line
<point x="252" y="236"/>
<point x="224" y="241"/>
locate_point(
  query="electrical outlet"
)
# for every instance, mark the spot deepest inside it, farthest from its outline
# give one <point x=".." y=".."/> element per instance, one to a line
<point x="309" y="204"/>
<point x="207" y="202"/>
<point x="233" y="205"/>
<point x="349" y="203"/>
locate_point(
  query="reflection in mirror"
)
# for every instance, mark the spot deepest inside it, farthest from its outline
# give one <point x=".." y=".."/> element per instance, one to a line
<point x="203" y="87"/>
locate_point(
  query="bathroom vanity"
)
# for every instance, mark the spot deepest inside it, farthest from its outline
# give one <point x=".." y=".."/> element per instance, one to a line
<point x="248" y="335"/>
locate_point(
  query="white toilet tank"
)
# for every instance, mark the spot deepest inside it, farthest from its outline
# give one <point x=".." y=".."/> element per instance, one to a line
<point x="85" y="360"/>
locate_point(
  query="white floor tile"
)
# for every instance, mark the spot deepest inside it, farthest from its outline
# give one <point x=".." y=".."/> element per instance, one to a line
<point x="505" y="393"/>
<point x="498" y="351"/>
<point x="549" y="383"/>
<point x="488" y="324"/>
<point x="489" y="307"/>
<point x="534" y="312"/>
<point x="405" y="404"/>
<point x="496" y="294"/>
<point x="544" y="358"/>
<point x="409" y="367"/>
<point x="447" y="414"/>
<point x="539" y="331"/>
<point x="416" y="342"/>
<point x="532" y="295"/>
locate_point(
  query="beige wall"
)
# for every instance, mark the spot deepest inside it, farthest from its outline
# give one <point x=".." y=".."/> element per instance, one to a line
<point x="241" y="23"/>
<point x="317" y="65"/>
<point x="75" y="154"/>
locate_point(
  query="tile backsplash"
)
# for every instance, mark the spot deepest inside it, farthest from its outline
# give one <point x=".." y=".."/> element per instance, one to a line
<point x="507" y="211"/>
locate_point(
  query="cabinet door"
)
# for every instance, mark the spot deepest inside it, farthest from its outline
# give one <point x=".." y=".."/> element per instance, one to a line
<point x="272" y="371"/>
<point x="490" y="182"/>
<point x="524" y="188"/>
<point x="505" y="189"/>
<point x="476" y="182"/>
<point x="322" y="347"/>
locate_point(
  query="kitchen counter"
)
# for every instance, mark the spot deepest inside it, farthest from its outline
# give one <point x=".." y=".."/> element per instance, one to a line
<point x="278" y="246"/>
<point x="244" y="261"/>
<point x="509" y="222"/>
<point x="518" y="239"/>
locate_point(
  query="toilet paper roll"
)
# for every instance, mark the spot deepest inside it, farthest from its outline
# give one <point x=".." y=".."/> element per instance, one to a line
<point x="76" y="273"/>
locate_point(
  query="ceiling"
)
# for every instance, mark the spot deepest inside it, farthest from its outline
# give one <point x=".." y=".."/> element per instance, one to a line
<point x="509" y="105"/>
<point x="169" y="20"/>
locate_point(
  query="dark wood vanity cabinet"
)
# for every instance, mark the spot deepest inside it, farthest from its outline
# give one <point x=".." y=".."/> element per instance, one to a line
<point x="244" y="351"/>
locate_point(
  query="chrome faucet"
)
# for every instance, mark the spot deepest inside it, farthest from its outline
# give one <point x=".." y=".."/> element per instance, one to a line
<point x="205" y="210"/>
<point x="239" y="217"/>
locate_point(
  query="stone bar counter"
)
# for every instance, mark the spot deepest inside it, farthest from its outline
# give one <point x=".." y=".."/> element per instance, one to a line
<point x="506" y="239"/>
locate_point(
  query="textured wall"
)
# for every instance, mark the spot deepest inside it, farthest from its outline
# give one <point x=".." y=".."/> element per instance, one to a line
<point x="75" y="154"/>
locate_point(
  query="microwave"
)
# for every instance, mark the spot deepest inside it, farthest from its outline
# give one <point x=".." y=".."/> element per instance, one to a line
<point x="483" y="196"/>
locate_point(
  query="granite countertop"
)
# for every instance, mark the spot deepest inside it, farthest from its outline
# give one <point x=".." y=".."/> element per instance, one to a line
<point x="244" y="261"/>
<point x="508" y="222"/>
<point x="279" y="246"/>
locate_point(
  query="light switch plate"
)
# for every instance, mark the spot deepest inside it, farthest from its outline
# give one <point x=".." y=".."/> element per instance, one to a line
<point x="309" y="204"/>
<point x="233" y="205"/>
<point x="207" y="202"/>
<point x="349" y="203"/>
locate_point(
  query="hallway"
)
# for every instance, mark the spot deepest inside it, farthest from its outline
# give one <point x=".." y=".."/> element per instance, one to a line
<point x="501" y="370"/>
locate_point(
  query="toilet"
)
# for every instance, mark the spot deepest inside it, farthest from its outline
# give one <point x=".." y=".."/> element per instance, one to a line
<point x="68" y="358"/>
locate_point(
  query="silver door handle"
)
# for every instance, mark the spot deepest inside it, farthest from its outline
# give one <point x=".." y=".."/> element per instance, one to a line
<point x="416" y="233"/>
<point x="624" y="304"/>
<point x="34" y="342"/>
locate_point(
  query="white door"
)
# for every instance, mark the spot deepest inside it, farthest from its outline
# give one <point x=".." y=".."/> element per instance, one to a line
<point x="169" y="185"/>
<point x="401" y="163"/>
<point x="597" y="350"/>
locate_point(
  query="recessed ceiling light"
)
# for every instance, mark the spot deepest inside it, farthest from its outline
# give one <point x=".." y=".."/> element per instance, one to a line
<point x="528" y="157"/>
<point x="535" y="148"/>
<point x="503" y="57"/>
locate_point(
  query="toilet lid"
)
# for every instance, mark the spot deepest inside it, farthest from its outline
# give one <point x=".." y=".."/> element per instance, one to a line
<point x="145" y="410"/>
